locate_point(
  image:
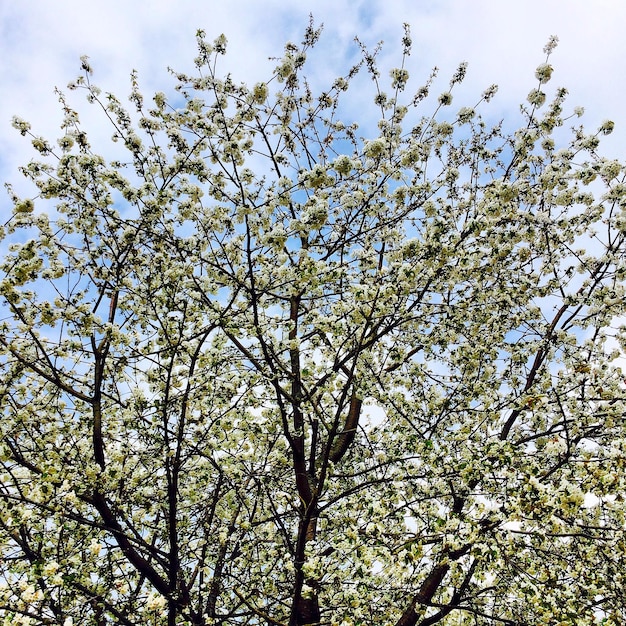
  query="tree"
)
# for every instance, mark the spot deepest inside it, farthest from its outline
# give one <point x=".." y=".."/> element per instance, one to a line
<point x="261" y="370"/>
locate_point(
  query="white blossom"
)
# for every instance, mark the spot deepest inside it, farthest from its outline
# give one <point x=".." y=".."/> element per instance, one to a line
<point x="262" y="363"/>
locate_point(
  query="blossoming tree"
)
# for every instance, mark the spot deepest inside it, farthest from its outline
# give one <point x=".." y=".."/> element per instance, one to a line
<point x="259" y="369"/>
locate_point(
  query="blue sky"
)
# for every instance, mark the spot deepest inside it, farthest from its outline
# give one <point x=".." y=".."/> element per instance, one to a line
<point x="41" y="42"/>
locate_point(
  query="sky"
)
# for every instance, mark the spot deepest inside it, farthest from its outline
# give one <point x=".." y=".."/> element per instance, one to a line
<point x="41" y="42"/>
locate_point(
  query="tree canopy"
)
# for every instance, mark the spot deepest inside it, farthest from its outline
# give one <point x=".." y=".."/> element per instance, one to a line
<point x="265" y="366"/>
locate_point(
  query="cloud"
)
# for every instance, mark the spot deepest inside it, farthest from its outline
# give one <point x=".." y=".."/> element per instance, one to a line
<point x="41" y="42"/>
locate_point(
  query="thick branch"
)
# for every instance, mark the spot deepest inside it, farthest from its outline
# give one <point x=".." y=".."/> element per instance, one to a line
<point x="136" y="560"/>
<point x="346" y="436"/>
<point x="430" y="587"/>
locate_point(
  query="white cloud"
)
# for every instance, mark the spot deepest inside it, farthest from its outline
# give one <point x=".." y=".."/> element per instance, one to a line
<point x="41" y="42"/>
